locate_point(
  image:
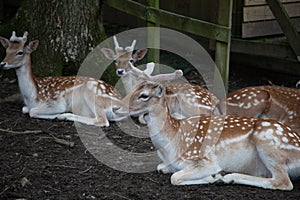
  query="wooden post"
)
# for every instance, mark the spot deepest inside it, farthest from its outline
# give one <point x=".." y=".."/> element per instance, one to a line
<point x="286" y="25"/>
<point x="1" y="10"/>
<point x="153" y="35"/>
<point x="223" y="48"/>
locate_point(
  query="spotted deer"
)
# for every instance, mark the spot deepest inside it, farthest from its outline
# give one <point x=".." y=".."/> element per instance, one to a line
<point x="75" y="98"/>
<point x="273" y="102"/>
<point x="122" y="58"/>
<point x="184" y="99"/>
<point x="205" y="149"/>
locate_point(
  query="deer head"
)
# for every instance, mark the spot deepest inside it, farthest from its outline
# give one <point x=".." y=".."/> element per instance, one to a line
<point x="17" y="52"/>
<point x="145" y="97"/>
<point x="123" y="56"/>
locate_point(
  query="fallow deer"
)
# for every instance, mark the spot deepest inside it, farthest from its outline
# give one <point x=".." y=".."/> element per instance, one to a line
<point x="75" y="98"/>
<point x="257" y="152"/>
<point x="273" y="102"/>
<point x="185" y="99"/>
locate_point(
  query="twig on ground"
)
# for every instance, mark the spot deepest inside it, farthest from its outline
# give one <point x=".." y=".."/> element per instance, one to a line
<point x="121" y="196"/>
<point x="11" y="98"/>
<point x="153" y="181"/>
<point x="21" y="132"/>
<point x="5" y="121"/>
<point x="84" y="171"/>
<point x="63" y="166"/>
<point x="48" y="186"/>
<point x="3" y="191"/>
<point x="58" y="140"/>
<point x="63" y="142"/>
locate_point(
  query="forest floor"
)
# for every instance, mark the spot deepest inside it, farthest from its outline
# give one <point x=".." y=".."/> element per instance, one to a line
<point x="46" y="159"/>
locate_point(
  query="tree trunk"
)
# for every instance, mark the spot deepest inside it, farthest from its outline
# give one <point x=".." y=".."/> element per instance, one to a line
<point x="66" y="29"/>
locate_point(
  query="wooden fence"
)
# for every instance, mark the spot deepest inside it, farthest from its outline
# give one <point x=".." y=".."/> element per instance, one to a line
<point x="221" y="31"/>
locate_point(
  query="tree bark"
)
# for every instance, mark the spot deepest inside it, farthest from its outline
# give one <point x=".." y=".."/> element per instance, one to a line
<point x="66" y="29"/>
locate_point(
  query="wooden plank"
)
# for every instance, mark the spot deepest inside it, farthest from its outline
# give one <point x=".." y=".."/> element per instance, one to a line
<point x="264" y="28"/>
<point x="269" y="63"/>
<point x="272" y="48"/>
<point x="172" y="20"/>
<point x="286" y="25"/>
<point x="237" y="18"/>
<point x="222" y="52"/>
<point x="129" y="7"/>
<point x="263" y="2"/>
<point x="153" y="37"/>
<point x="259" y="13"/>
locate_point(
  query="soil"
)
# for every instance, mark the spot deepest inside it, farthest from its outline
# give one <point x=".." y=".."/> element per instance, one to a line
<point x="53" y="163"/>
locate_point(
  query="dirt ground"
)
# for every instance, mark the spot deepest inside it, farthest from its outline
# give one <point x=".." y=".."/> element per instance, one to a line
<point x="52" y="163"/>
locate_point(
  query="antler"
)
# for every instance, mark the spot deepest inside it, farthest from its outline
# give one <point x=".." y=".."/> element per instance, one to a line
<point x="25" y="36"/>
<point x="117" y="47"/>
<point x="13" y="36"/>
<point x="131" y="48"/>
<point x="159" y="77"/>
<point x="136" y="71"/>
<point x="166" y="77"/>
<point x="20" y="39"/>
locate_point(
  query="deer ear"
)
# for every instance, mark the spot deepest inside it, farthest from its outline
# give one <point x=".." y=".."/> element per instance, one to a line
<point x="4" y="42"/>
<point x="108" y="53"/>
<point x="160" y="92"/>
<point x="32" y="46"/>
<point x="149" y="68"/>
<point x="139" y="54"/>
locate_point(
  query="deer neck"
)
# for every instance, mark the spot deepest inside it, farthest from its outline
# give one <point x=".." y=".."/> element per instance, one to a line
<point x="129" y="80"/>
<point x="26" y="82"/>
<point x="162" y="126"/>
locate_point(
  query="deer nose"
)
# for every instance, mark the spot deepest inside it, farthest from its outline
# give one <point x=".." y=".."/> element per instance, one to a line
<point x="2" y="64"/>
<point x="120" y="72"/>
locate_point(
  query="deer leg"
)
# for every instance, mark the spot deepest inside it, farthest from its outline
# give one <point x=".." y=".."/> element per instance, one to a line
<point x="275" y="163"/>
<point x="45" y="111"/>
<point x="164" y="168"/>
<point x="77" y="118"/>
<point x="101" y="117"/>
<point x="204" y="173"/>
<point x="25" y="110"/>
<point x="266" y="183"/>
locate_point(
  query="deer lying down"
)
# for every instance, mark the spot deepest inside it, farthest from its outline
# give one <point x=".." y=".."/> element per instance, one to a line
<point x="257" y="152"/>
<point x="59" y="97"/>
<point x="272" y="102"/>
<point x="185" y="99"/>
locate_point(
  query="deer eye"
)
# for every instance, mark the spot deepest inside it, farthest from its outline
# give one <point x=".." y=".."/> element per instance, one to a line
<point x="19" y="53"/>
<point x="144" y="97"/>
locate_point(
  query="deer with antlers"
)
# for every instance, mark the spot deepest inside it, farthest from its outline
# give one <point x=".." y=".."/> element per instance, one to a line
<point x="75" y="98"/>
<point x="257" y="152"/>
<point x="184" y="99"/>
<point x="273" y="102"/>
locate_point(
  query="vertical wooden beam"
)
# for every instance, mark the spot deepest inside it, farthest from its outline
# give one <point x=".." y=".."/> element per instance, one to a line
<point x="286" y="25"/>
<point x="223" y="48"/>
<point x="153" y="36"/>
<point x="1" y="10"/>
<point x="237" y="18"/>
